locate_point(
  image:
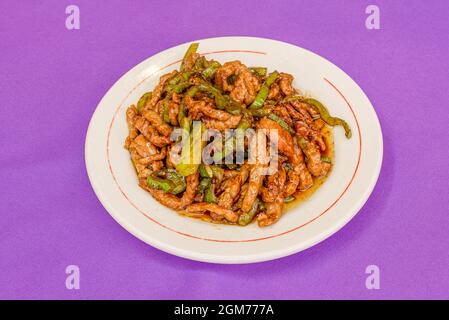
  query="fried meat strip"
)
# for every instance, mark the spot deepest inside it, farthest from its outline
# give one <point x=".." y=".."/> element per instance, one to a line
<point x="273" y="213"/>
<point x="143" y="147"/>
<point x="198" y="108"/>
<point x="154" y="157"/>
<point x="213" y="208"/>
<point x="275" y="92"/>
<point x="192" y="183"/>
<point x="173" y="110"/>
<point x="306" y="127"/>
<point x="190" y="61"/>
<point x="176" y="149"/>
<point x="156" y="165"/>
<point x="167" y="199"/>
<point x="158" y="90"/>
<point x="285" y="140"/>
<point x="238" y="204"/>
<point x="285" y="83"/>
<point x="144" y="155"/>
<point x="150" y="133"/>
<point x="171" y="200"/>
<point x="131" y="113"/>
<point x="316" y="167"/>
<point x="231" y="123"/>
<point x="302" y="108"/>
<point x="283" y="113"/>
<point x="228" y="173"/>
<point x="232" y="190"/>
<point x="275" y="185"/>
<point x="295" y="115"/>
<point x="156" y="121"/>
<point x="142" y="170"/>
<point x="244" y="85"/>
<point x="256" y="177"/>
<point x="298" y="176"/>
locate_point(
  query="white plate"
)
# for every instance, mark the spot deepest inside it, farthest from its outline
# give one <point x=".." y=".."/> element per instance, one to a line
<point x="357" y="161"/>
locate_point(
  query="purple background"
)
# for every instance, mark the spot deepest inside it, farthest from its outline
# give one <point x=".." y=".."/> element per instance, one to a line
<point x="51" y="80"/>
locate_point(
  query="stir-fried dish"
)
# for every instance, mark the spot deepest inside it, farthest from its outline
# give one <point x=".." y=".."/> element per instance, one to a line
<point x="221" y="97"/>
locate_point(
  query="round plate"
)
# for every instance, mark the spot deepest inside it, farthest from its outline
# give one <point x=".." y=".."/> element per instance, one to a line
<point x="356" y="169"/>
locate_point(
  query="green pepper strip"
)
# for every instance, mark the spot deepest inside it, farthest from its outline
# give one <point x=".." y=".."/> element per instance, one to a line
<point x="204" y="184"/>
<point x="187" y="166"/>
<point x="205" y="171"/>
<point x="281" y="122"/>
<point x="199" y="63"/>
<point x="209" y="72"/>
<point x="260" y="71"/>
<point x="159" y="183"/>
<point x="166" y="185"/>
<point x="143" y="100"/>
<point x="179" y="187"/>
<point x="174" y="183"/>
<point x="293" y="98"/>
<point x="181" y="76"/>
<point x="183" y="120"/>
<point x="243" y="125"/>
<point x="208" y="171"/>
<point x="229" y="146"/>
<point x="221" y="101"/>
<point x="289" y="199"/>
<point x="332" y="121"/>
<point x="264" y="90"/>
<point x="177" y="87"/>
<point x="165" y="115"/>
<point x="262" y="112"/>
<point x="302" y="142"/>
<point x="209" y="196"/>
<point x="246" y="218"/>
<point x="217" y="173"/>
<point x="173" y="175"/>
<point x="326" y="159"/>
<point x="191" y="50"/>
<point x="233" y="107"/>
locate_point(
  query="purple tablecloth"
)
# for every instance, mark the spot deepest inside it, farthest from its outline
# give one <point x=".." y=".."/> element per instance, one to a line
<point x="51" y="80"/>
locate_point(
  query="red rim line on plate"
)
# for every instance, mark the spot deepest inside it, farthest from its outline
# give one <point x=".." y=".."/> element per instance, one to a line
<point x="220" y="240"/>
